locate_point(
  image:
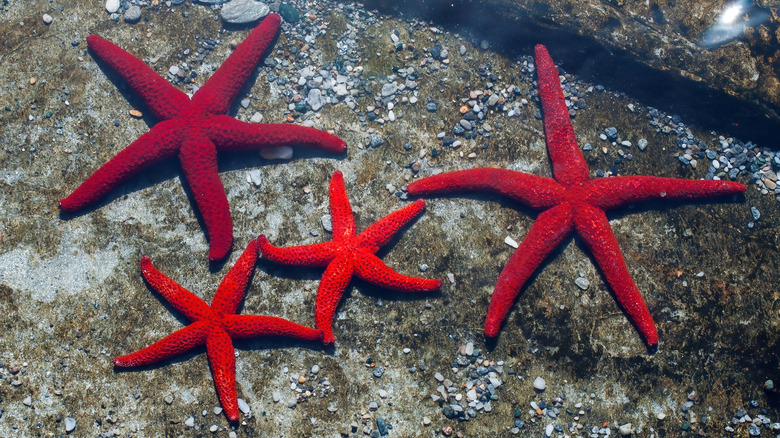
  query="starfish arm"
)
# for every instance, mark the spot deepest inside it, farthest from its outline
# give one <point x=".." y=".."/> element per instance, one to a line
<point x="340" y="211"/>
<point x="230" y="134"/>
<point x="318" y="254"/>
<point x="198" y="158"/>
<point x="381" y="231"/>
<point x="178" y="342"/>
<point x="606" y="193"/>
<point x="531" y="190"/>
<point x="217" y="94"/>
<point x="231" y="290"/>
<point x="160" y="143"/>
<point x="593" y="227"/>
<point x="332" y="285"/>
<point x="162" y="98"/>
<point x="547" y="232"/>
<point x="370" y="268"/>
<point x="252" y="326"/>
<point x="222" y="359"/>
<point x="568" y="164"/>
<point x="184" y="301"/>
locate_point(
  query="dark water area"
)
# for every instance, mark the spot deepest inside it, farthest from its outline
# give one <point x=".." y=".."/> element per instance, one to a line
<point x="586" y="58"/>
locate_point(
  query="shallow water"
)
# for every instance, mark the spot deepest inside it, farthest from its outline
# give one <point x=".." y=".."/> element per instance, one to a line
<point x="74" y="298"/>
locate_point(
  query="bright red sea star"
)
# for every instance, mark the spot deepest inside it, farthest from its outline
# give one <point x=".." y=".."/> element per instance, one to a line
<point x="350" y="254"/>
<point x="195" y="130"/>
<point x="214" y="326"/>
<point x="569" y="202"/>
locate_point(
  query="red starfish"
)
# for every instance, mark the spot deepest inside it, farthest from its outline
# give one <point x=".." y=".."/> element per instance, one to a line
<point x="350" y="254"/>
<point x="570" y="202"/>
<point x="215" y="326"/>
<point x="194" y="130"/>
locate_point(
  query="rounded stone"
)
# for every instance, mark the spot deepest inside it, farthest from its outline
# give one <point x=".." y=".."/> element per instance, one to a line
<point x="243" y="11"/>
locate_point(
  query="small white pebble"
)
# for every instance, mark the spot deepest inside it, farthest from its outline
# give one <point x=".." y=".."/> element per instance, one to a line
<point x="540" y="384"/>
<point x="70" y="424"/>
<point x="190" y="421"/>
<point x="511" y="242"/>
<point x="217" y="410"/>
<point x="625" y="429"/>
<point x="660" y="416"/>
<point x="27" y="401"/>
<point x="47" y="19"/>
<point x="406" y="350"/>
<point x="315" y="369"/>
<point x="243" y="406"/>
<point x="112" y="6"/>
<point x="549" y="430"/>
<point x="213" y="428"/>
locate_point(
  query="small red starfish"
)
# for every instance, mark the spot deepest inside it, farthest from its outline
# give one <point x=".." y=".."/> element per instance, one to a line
<point x="215" y="326"/>
<point x="570" y="202"/>
<point x="350" y="254"/>
<point x="194" y="130"/>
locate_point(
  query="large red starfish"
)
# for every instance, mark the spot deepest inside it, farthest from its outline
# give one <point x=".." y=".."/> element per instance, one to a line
<point x="569" y="202"/>
<point x="215" y="326"/>
<point x="194" y="130"/>
<point x="350" y="254"/>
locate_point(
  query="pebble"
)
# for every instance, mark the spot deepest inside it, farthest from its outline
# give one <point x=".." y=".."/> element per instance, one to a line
<point x="132" y="14"/>
<point x="213" y="428"/>
<point x="389" y="89"/>
<point x="112" y="6"/>
<point x="756" y="214"/>
<point x="255" y="177"/>
<point x="47" y="19"/>
<point x="314" y="99"/>
<point x="660" y="416"/>
<point x="190" y="421"/>
<point x="625" y="429"/>
<point x="243" y="406"/>
<point x="378" y="372"/>
<point x="243" y="11"/>
<point x="327" y="223"/>
<point x="27" y="401"/>
<point x="70" y="424"/>
<point x="582" y="283"/>
<point x="406" y="350"/>
<point x="549" y="430"/>
<point x="641" y="144"/>
<point x="375" y="140"/>
<point x="539" y="384"/>
<point x="315" y="369"/>
<point x="511" y="242"/>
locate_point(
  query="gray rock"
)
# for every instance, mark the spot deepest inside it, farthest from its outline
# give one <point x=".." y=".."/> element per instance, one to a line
<point x="70" y="424"/>
<point x="315" y="99"/>
<point x="243" y="11"/>
<point x="389" y="89"/>
<point x="132" y="14"/>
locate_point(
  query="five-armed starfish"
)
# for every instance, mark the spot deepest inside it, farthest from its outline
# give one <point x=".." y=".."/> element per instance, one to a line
<point x="194" y="130"/>
<point x="215" y="326"/>
<point x="569" y="202"/>
<point x="350" y="254"/>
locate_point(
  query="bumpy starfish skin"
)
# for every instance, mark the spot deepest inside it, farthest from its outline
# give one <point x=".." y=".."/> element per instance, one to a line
<point x="350" y="254"/>
<point x="214" y="326"/>
<point x="570" y="202"/>
<point x="194" y="130"/>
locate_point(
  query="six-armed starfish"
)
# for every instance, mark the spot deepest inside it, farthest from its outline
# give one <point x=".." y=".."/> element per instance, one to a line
<point x="350" y="254"/>
<point x="215" y="326"/>
<point x="194" y="130"/>
<point x="569" y="202"/>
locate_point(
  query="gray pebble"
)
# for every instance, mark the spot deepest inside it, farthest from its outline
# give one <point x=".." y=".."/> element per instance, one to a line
<point x="70" y="424"/>
<point x="243" y="11"/>
<point x="327" y="223"/>
<point x="582" y="283"/>
<point x="132" y="14"/>
<point x="375" y="140"/>
<point x="315" y="99"/>
<point x="389" y="89"/>
<point x="756" y="214"/>
<point x="243" y="406"/>
<point x="641" y="144"/>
